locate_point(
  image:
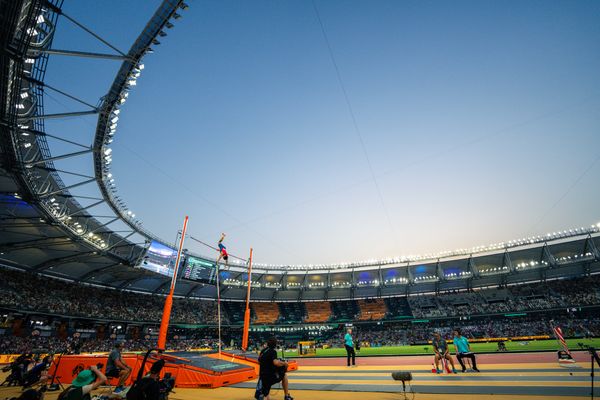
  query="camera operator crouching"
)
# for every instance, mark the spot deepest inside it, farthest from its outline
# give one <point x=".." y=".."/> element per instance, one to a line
<point x="272" y="371"/>
<point x="85" y="382"/>
<point x="151" y="387"/>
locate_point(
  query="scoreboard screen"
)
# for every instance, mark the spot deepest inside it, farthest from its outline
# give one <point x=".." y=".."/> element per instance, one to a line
<point x="159" y="258"/>
<point x="199" y="270"/>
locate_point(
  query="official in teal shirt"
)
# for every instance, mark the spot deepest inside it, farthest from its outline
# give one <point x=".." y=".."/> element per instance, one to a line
<point x="463" y="350"/>
<point x="349" y="345"/>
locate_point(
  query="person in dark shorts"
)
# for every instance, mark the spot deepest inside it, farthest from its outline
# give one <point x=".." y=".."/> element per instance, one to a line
<point x="86" y="381"/>
<point x="272" y="371"/>
<point x="223" y="251"/>
<point x="349" y="346"/>
<point x="440" y="347"/>
<point x="463" y="350"/>
<point x="116" y="367"/>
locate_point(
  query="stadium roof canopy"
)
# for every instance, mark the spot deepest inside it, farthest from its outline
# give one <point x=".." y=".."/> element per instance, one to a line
<point x="48" y="228"/>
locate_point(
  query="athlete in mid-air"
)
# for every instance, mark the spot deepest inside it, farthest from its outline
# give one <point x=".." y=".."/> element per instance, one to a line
<point x="223" y="251"/>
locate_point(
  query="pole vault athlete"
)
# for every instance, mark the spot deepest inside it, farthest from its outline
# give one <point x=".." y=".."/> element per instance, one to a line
<point x="223" y="251"/>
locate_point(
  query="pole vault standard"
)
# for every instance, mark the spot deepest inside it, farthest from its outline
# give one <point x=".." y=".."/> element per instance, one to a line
<point x="164" y="323"/>
<point x="247" y="313"/>
<point x="219" y="306"/>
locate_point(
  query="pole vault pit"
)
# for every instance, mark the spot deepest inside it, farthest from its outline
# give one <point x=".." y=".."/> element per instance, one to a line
<point x="190" y="369"/>
<point x="251" y="359"/>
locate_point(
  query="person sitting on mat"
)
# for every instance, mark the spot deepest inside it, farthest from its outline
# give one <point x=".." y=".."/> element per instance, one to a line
<point x="440" y="346"/>
<point x="463" y="350"/>
<point x="272" y="371"/>
<point x="222" y="251"/>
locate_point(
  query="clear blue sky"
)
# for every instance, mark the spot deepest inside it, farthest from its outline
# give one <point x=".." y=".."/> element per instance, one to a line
<point x="480" y="121"/>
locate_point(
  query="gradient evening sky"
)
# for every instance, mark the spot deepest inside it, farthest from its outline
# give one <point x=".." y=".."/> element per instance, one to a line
<point x="481" y="121"/>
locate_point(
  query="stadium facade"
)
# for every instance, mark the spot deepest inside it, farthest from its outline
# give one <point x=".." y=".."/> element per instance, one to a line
<point x="49" y="229"/>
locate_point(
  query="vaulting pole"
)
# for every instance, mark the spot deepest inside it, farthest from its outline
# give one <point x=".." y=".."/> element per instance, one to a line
<point x="247" y="313"/>
<point x="164" y="323"/>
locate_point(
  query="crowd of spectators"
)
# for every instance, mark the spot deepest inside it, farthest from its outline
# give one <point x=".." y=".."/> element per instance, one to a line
<point x="367" y="335"/>
<point x="399" y="334"/>
<point x="18" y="345"/>
<point x="30" y="292"/>
<point x="550" y="295"/>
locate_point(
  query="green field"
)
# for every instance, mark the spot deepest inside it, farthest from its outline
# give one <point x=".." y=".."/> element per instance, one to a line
<point x="537" y="345"/>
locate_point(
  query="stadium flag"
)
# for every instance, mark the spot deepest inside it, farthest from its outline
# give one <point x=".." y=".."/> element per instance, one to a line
<point x="564" y="355"/>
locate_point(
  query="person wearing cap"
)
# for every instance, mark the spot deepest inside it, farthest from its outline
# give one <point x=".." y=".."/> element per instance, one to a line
<point x="116" y="367"/>
<point x="272" y="371"/>
<point x="148" y="387"/>
<point x="85" y="382"/>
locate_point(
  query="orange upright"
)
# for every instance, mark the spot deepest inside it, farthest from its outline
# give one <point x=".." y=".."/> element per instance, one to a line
<point x="247" y="313"/>
<point x="164" y="323"/>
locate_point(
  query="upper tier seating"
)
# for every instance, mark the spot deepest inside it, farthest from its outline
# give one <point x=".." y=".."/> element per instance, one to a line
<point x="398" y="307"/>
<point x="372" y="309"/>
<point x="318" y="311"/>
<point x="291" y="313"/>
<point x="344" y="311"/>
<point x="265" y="313"/>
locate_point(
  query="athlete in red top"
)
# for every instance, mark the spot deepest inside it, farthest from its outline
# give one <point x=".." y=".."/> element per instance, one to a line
<point x="223" y="251"/>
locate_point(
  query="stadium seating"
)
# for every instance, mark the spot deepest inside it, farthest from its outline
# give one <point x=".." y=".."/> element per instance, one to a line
<point x="398" y="308"/>
<point x="344" y="311"/>
<point x="27" y="293"/>
<point x="265" y="313"/>
<point x="291" y="313"/>
<point x="318" y="311"/>
<point x="372" y="309"/>
<point x="235" y="311"/>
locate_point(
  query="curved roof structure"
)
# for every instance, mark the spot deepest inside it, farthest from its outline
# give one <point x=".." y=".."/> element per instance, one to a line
<point x="47" y="228"/>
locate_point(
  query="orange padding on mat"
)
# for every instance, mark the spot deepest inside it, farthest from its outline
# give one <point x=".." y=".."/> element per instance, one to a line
<point x="186" y="375"/>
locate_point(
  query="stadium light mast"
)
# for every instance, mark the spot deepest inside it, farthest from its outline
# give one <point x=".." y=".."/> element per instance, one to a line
<point x="164" y="323"/>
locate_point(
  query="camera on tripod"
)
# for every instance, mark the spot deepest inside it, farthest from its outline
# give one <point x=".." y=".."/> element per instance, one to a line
<point x="166" y="385"/>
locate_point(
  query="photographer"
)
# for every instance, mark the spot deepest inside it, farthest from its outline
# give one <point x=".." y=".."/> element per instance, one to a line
<point x="272" y="371"/>
<point x="149" y="387"/>
<point x="116" y="367"/>
<point x="38" y="374"/>
<point x="86" y="381"/>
